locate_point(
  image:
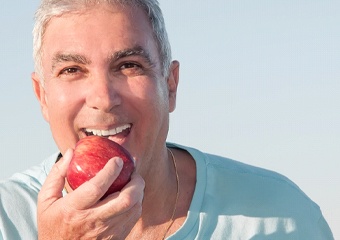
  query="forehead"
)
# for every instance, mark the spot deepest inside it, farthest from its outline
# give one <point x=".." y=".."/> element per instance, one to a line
<point x="91" y="10"/>
<point x="101" y="26"/>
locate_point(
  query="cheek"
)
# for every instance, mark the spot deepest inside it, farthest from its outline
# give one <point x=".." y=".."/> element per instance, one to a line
<point x="60" y="115"/>
<point x="63" y="106"/>
<point x="65" y="94"/>
<point x="61" y="103"/>
<point x="151" y="96"/>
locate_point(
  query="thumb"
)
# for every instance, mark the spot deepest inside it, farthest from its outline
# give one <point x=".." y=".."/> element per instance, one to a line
<point x="55" y="181"/>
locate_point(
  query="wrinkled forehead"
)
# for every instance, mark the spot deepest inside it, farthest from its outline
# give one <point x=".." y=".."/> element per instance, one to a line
<point x="99" y="31"/>
<point x="86" y="11"/>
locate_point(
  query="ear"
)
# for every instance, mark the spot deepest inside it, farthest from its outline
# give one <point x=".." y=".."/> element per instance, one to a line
<point x="40" y="93"/>
<point x="173" y="80"/>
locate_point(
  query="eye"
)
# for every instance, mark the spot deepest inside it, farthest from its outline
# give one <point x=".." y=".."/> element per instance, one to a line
<point x="70" y="71"/>
<point x="131" y="69"/>
<point x="129" y="65"/>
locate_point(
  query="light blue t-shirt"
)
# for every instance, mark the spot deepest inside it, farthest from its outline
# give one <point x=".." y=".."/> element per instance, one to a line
<point x="232" y="200"/>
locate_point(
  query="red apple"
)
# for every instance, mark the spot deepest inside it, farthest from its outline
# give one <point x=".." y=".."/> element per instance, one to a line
<point x="90" y="156"/>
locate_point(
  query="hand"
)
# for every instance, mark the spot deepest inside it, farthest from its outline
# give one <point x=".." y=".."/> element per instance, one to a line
<point x="81" y="214"/>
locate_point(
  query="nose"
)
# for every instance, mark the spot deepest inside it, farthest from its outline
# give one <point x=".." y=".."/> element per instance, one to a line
<point x="102" y="93"/>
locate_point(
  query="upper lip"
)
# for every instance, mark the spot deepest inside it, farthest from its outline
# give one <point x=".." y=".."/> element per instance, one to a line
<point x="107" y="132"/>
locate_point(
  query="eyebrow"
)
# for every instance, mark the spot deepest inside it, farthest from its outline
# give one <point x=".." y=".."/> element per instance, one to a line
<point x="69" y="57"/>
<point x="135" y="51"/>
<point x="81" y="59"/>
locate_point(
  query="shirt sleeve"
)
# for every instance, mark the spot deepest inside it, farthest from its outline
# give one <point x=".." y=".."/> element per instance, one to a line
<point x="325" y="231"/>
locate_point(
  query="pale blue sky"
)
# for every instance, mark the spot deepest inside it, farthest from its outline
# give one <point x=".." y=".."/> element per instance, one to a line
<point x="259" y="84"/>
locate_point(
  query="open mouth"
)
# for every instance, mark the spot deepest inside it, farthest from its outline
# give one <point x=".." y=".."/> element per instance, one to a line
<point x="120" y="131"/>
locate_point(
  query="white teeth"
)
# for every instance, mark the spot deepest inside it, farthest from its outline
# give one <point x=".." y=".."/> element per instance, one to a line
<point x="109" y="132"/>
<point x="105" y="132"/>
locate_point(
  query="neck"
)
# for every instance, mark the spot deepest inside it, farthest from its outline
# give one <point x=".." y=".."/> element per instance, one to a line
<point x="160" y="201"/>
<point x="160" y="197"/>
<point x="161" y="186"/>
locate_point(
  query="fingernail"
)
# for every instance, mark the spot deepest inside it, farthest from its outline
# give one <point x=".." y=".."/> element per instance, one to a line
<point x="119" y="162"/>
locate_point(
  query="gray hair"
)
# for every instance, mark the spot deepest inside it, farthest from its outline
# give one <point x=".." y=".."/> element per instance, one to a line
<point x="53" y="8"/>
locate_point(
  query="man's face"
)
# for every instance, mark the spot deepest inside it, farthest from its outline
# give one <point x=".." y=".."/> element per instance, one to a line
<point x="102" y="76"/>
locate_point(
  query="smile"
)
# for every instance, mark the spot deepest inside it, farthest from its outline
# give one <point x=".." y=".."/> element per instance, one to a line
<point x="109" y="132"/>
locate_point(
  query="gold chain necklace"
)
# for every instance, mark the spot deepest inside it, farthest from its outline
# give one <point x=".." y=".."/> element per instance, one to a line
<point x="177" y="195"/>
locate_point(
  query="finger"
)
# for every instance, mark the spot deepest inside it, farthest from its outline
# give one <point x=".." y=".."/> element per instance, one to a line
<point x="89" y="193"/>
<point x="55" y="181"/>
<point x="120" y="202"/>
<point x="135" y="188"/>
<point x="120" y="227"/>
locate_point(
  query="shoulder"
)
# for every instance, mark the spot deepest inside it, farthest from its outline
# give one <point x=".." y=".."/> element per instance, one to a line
<point x="24" y="184"/>
<point x="18" y="197"/>
<point x="226" y="170"/>
<point x="262" y="189"/>
<point x="32" y="178"/>
<point x="258" y="186"/>
<point x="242" y="194"/>
<point x="243" y="173"/>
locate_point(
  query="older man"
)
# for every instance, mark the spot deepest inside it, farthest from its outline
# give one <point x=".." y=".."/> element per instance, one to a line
<point x="104" y="68"/>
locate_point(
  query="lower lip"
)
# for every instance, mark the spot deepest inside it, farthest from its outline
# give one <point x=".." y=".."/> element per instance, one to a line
<point x="120" y="138"/>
